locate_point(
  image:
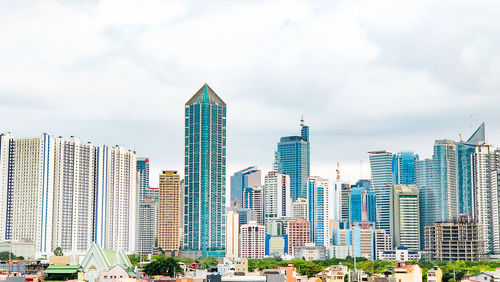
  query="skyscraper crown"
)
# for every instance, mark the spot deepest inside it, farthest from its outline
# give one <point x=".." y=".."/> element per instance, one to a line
<point x="205" y="95"/>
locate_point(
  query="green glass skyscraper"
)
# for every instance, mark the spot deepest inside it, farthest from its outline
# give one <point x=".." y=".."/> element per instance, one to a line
<point x="205" y="173"/>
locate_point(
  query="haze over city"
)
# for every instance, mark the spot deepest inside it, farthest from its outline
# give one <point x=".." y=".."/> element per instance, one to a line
<point x="366" y="75"/>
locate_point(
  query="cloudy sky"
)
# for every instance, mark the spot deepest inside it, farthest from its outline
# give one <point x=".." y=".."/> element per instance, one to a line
<point x="366" y="75"/>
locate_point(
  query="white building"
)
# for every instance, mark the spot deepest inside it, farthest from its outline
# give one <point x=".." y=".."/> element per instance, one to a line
<point x="252" y="240"/>
<point x="401" y="253"/>
<point x="74" y="178"/>
<point x="299" y="209"/>
<point x="319" y="199"/>
<point x="6" y="143"/>
<point x="310" y="252"/>
<point x="277" y="199"/>
<point x="383" y="241"/>
<point x="404" y="216"/>
<point x="232" y="234"/>
<point x="30" y="188"/>
<point x="339" y="251"/>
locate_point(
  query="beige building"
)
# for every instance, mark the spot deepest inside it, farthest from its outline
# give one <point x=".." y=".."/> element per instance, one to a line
<point x="435" y="274"/>
<point x="169" y="210"/>
<point x="407" y="273"/>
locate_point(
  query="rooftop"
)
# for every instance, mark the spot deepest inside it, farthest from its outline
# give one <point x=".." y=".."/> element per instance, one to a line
<point x="205" y="95"/>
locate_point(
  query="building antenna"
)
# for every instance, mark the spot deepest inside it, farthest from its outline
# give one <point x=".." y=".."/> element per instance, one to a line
<point x="302" y="120"/>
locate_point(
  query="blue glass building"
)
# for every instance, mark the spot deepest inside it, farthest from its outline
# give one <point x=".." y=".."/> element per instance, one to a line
<point x="318" y="210"/>
<point x="362" y="206"/>
<point x="445" y="156"/>
<point x="403" y="168"/>
<point x="248" y="177"/>
<point x="205" y="173"/>
<point x="142" y="178"/>
<point x="293" y="158"/>
<point x="381" y="182"/>
<point x="426" y="181"/>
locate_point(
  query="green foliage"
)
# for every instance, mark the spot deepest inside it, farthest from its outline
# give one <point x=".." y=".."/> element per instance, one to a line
<point x="58" y="252"/>
<point x="163" y="266"/>
<point x="5" y="255"/>
<point x="368" y="267"/>
<point x="134" y="259"/>
<point x="206" y="263"/>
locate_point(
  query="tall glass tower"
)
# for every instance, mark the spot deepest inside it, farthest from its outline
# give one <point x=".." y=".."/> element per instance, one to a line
<point x="403" y="168"/>
<point x="426" y="172"/>
<point x="248" y="177"/>
<point x="293" y="158"/>
<point x="445" y="156"/>
<point x="381" y="167"/>
<point x="318" y="210"/>
<point x="361" y="206"/>
<point x="205" y="173"/>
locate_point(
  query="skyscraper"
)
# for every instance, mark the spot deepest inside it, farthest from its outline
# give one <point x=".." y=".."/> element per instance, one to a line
<point x="253" y="199"/>
<point x="248" y="177"/>
<point x="252" y="240"/>
<point x="403" y="168"/>
<point x="445" y="156"/>
<point x="426" y="173"/>
<point x="232" y="234"/>
<point x="345" y="192"/>
<point x="381" y="168"/>
<point x="205" y="173"/>
<point x="6" y="168"/>
<point x="146" y="203"/>
<point x="74" y="189"/>
<point x="405" y="223"/>
<point x="298" y="234"/>
<point x="142" y="178"/>
<point x="362" y="206"/>
<point x="169" y="210"/>
<point x="299" y="209"/>
<point x="277" y="200"/>
<point x="293" y="158"/>
<point x="318" y="196"/>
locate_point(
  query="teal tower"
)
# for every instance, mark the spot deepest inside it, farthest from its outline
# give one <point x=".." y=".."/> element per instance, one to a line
<point x="205" y="173"/>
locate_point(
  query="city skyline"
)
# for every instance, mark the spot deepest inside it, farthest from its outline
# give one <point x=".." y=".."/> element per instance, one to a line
<point x="366" y="80"/>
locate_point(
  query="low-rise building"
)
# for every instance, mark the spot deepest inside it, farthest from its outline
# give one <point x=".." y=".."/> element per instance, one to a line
<point x="106" y="265"/>
<point x="339" y="252"/>
<point x="407" y="272"/>
<point x="334" y="273"/>
<point x="401" y="253"/>
<point x="310" y="252"/>
<point x="20" y="248"/>
<point x="435" y="274"/>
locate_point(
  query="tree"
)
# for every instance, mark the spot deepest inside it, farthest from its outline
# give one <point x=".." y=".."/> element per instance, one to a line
<point x="7" y="256"/>
<point x="134" y="259"/>
<point x="58" y="252"/>
<point x="163" y="266"/>
<point x="367" y="266"/>
<point x="206" y="263"/>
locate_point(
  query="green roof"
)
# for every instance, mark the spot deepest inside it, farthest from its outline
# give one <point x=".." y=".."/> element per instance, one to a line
<point x="205" y="95"/>
<point x="63" y="269"/>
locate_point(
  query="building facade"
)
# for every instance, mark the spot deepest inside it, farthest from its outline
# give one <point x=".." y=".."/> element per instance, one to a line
<point x="381" y="168"/>
<point x="299" y="209"/>
<point x="445" y="156"/>
<point x="277" y="199"/>
<point x="252" y="240"/>
<point x="248" y="177"/>
<point x="205" y="173"/>
<point x="298" y="234"/>
<point x="403" y="168"/>
<point x="362" y="206"/>
<point x="319" y="197"/>
<point x="253" y="199"/>
<point x="405" y="221"/>
<point x="293" y="158"/>
<point x="232" y="234"/>
<point x="169" y="210"/>
<point x="426" y="181"/>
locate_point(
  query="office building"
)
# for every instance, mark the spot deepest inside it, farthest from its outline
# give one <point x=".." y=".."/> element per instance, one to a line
<point x="403" y="168"/>
<point x="400" y="253"/>
<point x="454" y="240"/>
<point x="252" y="240"/>
<point x="276" y="245"/>
<point x="74" y="190"/>
<point x="298" y="234"/>
<point x="426" y="173"/>
<point x="318" y="196"/>
<point x="293" y="158"/>
<point x="364" y="183"/>
<point x="30" y="191"/>
<point x="277" y="226"/>
<point x="362" y="206"/>
<point x="205" y="173"/>
<point x="277" y="200"/>
<point x="169" y="210"/>
<point x="310" y="252"/>
<point x="248" y="177"/>
<point x="381" y="181"/>
<point x="232" y="234"/>
<point x="142" y="178"/>
<point x="383" y="241"/>
<point x="445" y="156"/>
<point x="253" y="199"/>
<point x="361" y="237"/>
<point x="246" y="215"/>
<point x="405" y="222"/>
<point x="345" y="192"/>
<point x="299" y="209"/>
<point x="147" y="228"/>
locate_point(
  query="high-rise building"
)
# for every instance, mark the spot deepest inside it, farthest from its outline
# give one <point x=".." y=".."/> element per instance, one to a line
<point x="121" y="199"/>
<point x="318" y="196"/>
<point x="383" y="242"/>
<point x="405" y="223"/>
<point x="277" y="200"/>
<point x="253" y="198"/>
<point x="74" y="189"/>
<point x="362" y="206"/>
<point x="426" y="180"/>
<point x="403" y="168"/>
<point x="361" y="236"/>
<point x="142" y="179"/>
<point x="293" y="158"/>
<point x="445" y="156"/>
<point x="232" y="234"/>
<point x="345" y="192"/>
<point x="298" y="234"/>
<point x="381" y="168"/>
<point x="299" y="209"/>
<point x="365" y="183"/>
<point x="454" y="240"/>
<point x="6" y="168"/>
<point x="205" y="173"/>
<point x="252" y="240"/>
<point x="147" y="199"/>
<point x="246" y="215"/>
<point x="31" y="191"/>
<point x="248" y="177"/>
<point x="277" y="226"/>
<point x="169" y="210"/>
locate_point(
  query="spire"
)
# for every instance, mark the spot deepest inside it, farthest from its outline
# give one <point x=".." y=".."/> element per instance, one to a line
<point x="479" y="136"/>
<point x="302" y="120"/>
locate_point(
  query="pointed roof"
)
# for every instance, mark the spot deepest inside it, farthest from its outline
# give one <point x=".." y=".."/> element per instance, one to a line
<point x="205" y="95"/>
<point x="479" y="136"/>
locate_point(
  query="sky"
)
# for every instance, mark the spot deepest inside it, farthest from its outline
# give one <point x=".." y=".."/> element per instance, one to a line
<point x="366" y="75"/>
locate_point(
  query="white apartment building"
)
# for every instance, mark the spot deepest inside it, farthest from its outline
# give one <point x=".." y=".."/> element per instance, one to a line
<point x="6" y="142"/>
<point x="74" y="189"/>
<point x="252" y="240"/>
<point x="277" y="199"/>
